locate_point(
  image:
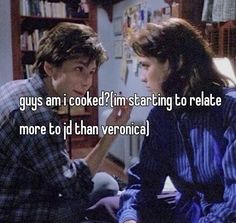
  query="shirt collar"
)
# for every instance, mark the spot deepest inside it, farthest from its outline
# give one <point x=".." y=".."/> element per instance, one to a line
<point x="39" y="85"/>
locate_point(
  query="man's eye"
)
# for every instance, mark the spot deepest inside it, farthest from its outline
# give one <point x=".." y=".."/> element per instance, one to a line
<point x="79" y="69"/>
<point x="92" y="73"/>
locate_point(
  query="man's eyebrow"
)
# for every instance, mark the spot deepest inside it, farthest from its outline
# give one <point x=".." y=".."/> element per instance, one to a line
<point x="85" y="63"/>
<point x="82" y="62"/>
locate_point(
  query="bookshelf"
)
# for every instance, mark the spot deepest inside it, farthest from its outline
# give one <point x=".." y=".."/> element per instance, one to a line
<point x="222" y="38"/>
<point x="29" y="19"/>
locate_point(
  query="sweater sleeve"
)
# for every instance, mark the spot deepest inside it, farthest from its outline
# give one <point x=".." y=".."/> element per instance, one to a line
<point x="225" y="211"/>
<point x="146" y="178"/>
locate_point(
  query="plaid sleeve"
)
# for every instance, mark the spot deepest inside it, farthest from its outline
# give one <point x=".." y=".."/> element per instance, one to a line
<point x="47" y="156"/>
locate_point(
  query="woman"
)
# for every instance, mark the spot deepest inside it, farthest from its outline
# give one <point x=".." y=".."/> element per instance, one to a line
<point x="194" y="145"/>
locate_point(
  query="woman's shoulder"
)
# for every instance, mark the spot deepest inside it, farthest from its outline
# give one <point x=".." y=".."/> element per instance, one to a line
<point x="230" y="91"/>
<point x="158" y="111"/>
<point x="229" y="95"/>
<point x="229" y="104"/>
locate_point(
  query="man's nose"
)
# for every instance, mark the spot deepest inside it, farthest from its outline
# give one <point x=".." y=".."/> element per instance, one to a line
<point x="86" y="79"/>
<point x="85" y="82"/>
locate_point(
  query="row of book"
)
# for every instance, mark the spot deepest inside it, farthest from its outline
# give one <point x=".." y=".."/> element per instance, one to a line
<point x="30" y="41"/>
<point x="28" y="70"/>
<point x="43" y="8"/>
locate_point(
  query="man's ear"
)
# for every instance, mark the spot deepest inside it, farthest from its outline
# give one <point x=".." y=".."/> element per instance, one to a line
<point x="48" y="68"/>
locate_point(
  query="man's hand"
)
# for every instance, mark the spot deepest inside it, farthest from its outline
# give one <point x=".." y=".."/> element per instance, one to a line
<point x="119" y="115"/>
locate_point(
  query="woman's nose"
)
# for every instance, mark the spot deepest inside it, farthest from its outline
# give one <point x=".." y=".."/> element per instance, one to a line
<point x="143" y="77"/>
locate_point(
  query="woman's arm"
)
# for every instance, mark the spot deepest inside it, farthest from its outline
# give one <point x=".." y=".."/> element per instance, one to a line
<point x="146" y="178"/>
<point x="225" y="211"/>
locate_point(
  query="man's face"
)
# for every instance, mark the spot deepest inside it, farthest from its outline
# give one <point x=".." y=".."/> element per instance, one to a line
<point x="153" y="73"/>
<point x="74" y="77"/>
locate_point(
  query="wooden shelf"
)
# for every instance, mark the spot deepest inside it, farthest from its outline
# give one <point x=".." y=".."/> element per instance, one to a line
<point x="222" y="38"/>
<point x="30" y="22"/>
<point x="75" y="19"/>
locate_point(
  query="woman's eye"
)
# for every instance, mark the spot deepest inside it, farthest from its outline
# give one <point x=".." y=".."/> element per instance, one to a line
<point x="143" y="65"/>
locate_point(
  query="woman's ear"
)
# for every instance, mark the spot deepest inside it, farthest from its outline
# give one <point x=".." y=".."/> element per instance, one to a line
<point x="180" y="62"/>
<point x="48" y="68"/>
<point x="166" y="66"/>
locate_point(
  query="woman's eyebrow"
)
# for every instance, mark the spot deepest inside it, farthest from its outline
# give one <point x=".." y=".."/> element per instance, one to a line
<point x="143" y="62"/>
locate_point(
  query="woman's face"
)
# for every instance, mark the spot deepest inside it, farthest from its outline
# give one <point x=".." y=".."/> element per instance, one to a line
<point x="153" y="73"/>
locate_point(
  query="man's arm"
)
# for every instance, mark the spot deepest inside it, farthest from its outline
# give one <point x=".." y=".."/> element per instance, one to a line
<point x="46" y="156"/>
<point x="119" y="116"/>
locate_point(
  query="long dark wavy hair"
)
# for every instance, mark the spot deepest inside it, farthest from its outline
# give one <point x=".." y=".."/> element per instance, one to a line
<point x="192" y="69"/>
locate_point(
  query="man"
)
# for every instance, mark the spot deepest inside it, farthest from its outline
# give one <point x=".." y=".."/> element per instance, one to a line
<point x="38" y="180"/>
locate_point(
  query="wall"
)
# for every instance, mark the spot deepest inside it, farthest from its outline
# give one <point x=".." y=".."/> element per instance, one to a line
<point x="6" y="73"/>
<point x="109" y="74"/>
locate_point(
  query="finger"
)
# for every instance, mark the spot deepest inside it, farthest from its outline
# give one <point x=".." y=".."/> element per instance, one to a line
<point x="125" y="113"/>
<point x="115" y="111"/>
<point x="127" y="108"/>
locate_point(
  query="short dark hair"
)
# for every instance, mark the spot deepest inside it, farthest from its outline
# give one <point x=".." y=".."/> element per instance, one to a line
<point x="68" y="41"/>
<point x="192" y="69"/>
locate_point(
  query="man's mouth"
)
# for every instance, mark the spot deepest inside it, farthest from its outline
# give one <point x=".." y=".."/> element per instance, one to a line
<point x="79" y="93"/>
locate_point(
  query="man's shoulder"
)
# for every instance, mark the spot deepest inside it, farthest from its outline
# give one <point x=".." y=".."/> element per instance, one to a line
<point x="12" y="86"/>
<point x="11" y="92"/>
<point x="23" y="87"/>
